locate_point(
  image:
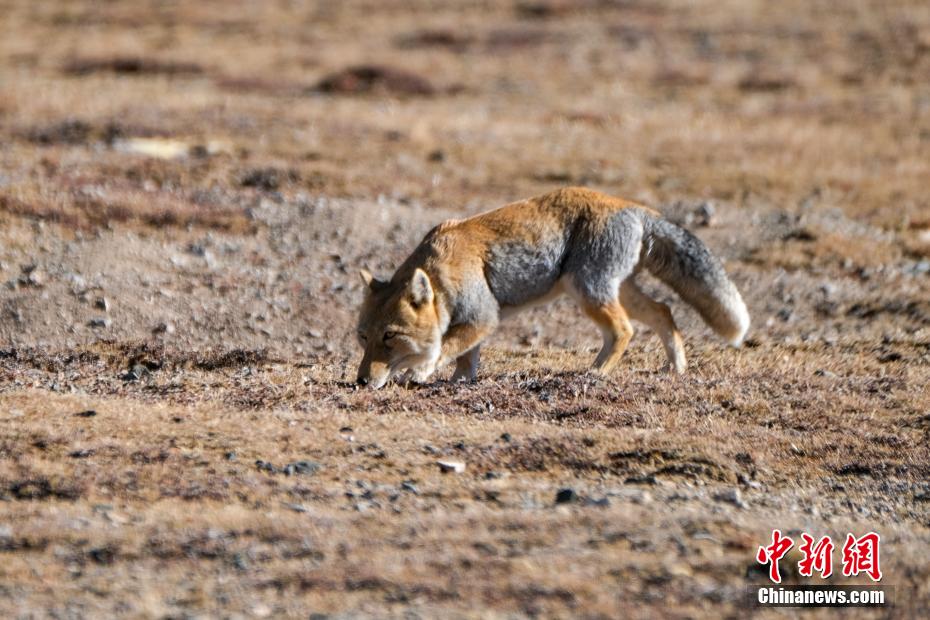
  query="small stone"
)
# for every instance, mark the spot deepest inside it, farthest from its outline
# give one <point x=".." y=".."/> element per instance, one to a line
<point x="265" y="466"/>
<point x="409" y="486"/>
<point x="89" y="413"/>
<point x="135" y="373"/>
<point x="506" y="437"/>
<point x="565" y="496"/>
<point x="102" y="303"/>
<point x="230" y="456"/>
<point x="446" y="467"/>
<point x="100" y="323"/>
<point x="163" y="328"/>
<point x="704" y="214"/>
<point x="732" y="496"/>
<point x="306" y="468"/>
<point x="745" y="481"/>
<point x="36" y="278"/>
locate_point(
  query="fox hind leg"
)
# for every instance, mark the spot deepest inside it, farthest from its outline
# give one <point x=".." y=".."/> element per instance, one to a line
<point x="615" y="328"/>
<point x="658" y="317"/>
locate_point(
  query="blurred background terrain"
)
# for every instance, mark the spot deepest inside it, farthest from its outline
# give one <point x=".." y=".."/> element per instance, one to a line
<point x="187" y="191"/>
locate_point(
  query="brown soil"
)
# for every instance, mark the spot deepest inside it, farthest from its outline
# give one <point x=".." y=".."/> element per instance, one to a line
<point x="187" y="191"/>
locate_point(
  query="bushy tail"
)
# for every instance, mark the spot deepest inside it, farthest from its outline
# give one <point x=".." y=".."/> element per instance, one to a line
<point x="684" y="263"/>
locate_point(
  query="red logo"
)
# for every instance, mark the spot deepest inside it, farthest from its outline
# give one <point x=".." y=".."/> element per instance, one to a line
<point x="817" y="557"/>
<point x="860" y="555"/>
<point x="774" y="552"/>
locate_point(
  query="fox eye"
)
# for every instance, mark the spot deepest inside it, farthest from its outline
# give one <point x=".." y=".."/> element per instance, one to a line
<point x="388" y="335"/>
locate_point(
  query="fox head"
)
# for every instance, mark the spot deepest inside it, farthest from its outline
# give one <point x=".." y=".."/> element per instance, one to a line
<point x="398" y="328"/>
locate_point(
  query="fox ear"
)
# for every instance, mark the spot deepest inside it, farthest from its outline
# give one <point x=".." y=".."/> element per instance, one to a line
<point x="421" y="291"/>
<point x="366" y="276"/>
<point x="370" y="281"/>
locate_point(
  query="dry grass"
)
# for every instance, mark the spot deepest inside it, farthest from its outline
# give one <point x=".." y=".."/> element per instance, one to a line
<point x="209" y="176"/>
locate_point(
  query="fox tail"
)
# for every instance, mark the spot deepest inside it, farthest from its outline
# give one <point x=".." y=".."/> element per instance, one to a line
<point x="684" y="263"/>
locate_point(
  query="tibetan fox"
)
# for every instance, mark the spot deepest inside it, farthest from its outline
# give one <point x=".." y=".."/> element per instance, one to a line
<point x="466" y="275"/>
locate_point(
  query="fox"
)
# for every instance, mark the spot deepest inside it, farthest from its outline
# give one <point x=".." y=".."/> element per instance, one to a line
<point x="467" y="275"/>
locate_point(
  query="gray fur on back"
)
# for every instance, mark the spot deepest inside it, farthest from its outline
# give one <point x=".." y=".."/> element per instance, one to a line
<point x="519" y="273"/>
<point x="600" y="258"/>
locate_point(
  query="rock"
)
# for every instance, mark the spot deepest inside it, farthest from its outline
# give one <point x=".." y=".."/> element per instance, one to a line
<point x="566" y="496"/>
<point x="32" y="276"/>
<point x="506" y="437"/>
<point x="89" y="413"/>
<point x="446" y="467"/>
<point x="230" y="456"/>
<point x="731" y="496"/>
<point x="409" y="486"/>
<point x="297" y="467"/>
<point x="752" y="484"/>
<point x="102" y="303"/>
<point x="362" y="79"/>
<point x="100" y="323"/>
<point x="135" y="373"/>
<point x="163" y="328"/>
<point x="268" y="179"/>
<point x="265" y="466"/>
<point x="704" y="214"/>
<point x="306" y="468"/>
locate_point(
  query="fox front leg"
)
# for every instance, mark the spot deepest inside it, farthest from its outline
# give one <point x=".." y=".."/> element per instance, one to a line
<point x="461" y="343"/>
<point x="466" y="365"/>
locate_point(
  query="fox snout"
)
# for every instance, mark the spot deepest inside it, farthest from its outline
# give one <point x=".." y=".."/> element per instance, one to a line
<point x="372" y="374"/>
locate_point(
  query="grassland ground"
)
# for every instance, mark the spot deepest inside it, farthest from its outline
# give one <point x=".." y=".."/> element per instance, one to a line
<point x="186" y="194"/>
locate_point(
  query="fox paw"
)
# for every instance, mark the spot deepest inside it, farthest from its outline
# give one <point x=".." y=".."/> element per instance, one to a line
<point x="417" y="375"/>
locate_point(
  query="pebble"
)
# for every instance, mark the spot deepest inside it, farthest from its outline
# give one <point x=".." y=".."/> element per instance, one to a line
<point x="731" y="496"/>
<point x="135" y="373"/>
<point x="100" y="322"/>
<point x="297" y="467"/>
<point x="301" y="467"/>
<point x="745" y="481"/>
<point x="102" y="303"/>
<point x="565" y="496"/>
<point x="163" y="328"/>
<point x="446" y="467"/>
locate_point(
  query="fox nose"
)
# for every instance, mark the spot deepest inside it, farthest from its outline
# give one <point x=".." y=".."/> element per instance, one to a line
<point x="362" y="380"/>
